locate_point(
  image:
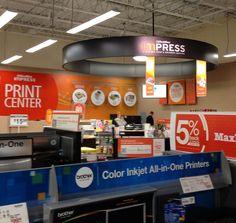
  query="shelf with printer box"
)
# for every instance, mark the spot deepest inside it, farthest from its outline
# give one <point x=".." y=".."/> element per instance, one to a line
<point x="120" y="138"/>
<point x="97" y="140"/>
<point x="136" y="139"/>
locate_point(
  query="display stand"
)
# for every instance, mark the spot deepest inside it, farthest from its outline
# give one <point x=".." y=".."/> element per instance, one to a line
<point x="107" y="181"/>
<point x="143" y="182"/>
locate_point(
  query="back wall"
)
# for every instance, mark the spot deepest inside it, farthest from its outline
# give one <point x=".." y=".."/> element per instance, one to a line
<point x="221" y="93"/>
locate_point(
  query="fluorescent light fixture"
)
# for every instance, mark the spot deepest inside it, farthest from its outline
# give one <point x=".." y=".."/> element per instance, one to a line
<point x="6" y="17"/>
<point x="11" y="59"/>
<point x="93" y="22"/>
<point x="140" y="58"/>
<point x="160" y="91"/>
<point x="41" y="46"/>
<point x="230" y="55"/>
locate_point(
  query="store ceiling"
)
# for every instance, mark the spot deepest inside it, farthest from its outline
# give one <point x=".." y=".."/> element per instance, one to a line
<point x="172" y="17"/>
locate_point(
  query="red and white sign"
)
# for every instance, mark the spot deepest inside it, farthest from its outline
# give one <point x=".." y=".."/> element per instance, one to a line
<point x="140" y="147"/>
<point x="27" y="93"/>
<point x="204" y="132"/>
<point x="135" y="147"/>
<point x="68" y="120"/>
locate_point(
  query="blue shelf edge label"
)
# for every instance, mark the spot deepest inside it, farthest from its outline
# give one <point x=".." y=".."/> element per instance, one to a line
<point x="91" y="177"/>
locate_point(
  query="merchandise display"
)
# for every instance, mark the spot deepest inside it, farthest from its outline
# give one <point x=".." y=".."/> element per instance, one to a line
<point x="104" y="210"/>
<point x="111" y="184"/>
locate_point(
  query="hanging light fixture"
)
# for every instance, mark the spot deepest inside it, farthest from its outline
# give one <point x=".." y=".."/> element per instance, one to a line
<point x="48" y="42"/>
<point x="227" y="54"/>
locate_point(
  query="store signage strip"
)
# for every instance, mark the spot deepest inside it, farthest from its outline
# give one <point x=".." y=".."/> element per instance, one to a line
<point x="120" y="173"/>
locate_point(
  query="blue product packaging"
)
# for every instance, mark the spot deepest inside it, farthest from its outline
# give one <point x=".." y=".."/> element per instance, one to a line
<point x="174" y="212"/>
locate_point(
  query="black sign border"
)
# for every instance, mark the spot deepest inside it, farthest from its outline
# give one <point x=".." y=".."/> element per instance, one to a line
<point x="76" y="56"/>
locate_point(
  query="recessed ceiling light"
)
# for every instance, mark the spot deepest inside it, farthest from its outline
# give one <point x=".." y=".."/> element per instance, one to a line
<point x="41" y="46"/>
<point x="6" y="17"/>
<point x="230" y="55"/>
<point x="11" y="59"/>
<point x="140" y="58"/>
<point x="93" y="22"/>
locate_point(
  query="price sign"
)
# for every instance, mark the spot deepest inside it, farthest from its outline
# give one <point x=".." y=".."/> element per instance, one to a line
<point x="66" y="120"/>
<point x="16" y="213"/>
<point x="18" y="120"/>
<point x="196" y="184"/>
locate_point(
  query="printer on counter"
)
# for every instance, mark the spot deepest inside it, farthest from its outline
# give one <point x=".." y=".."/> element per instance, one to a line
<point x="30" y="150"/>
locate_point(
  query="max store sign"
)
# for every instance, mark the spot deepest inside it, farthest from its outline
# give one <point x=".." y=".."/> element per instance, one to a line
<point x="204" y="132"/>
<point x="27" y="93"/>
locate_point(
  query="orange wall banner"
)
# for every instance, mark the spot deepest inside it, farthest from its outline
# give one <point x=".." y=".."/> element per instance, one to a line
<point x="150" y="75"/>
<point x="176" y="92"/>
<point x="35" y="93"/>
<point x="201" y="79"/>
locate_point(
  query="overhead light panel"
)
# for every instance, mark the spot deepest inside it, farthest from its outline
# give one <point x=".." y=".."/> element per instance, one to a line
<point x="6" y="17"/>
<point x="11" y="59"/>
<point x="140" y="58"/>
<point x="230" y="55"/>
<point x="41" y="46"/>
<point x="93" y="22"/>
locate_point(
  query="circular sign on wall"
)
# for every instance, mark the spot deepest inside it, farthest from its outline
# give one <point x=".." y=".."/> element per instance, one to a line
<point x="114" y="98"/>
<point x="84" y="177"/>
<point x="176" y="92"/>
<point x="130" y="99"/>
<point x="79" y="96"/>
<point x="97" y="97"/>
